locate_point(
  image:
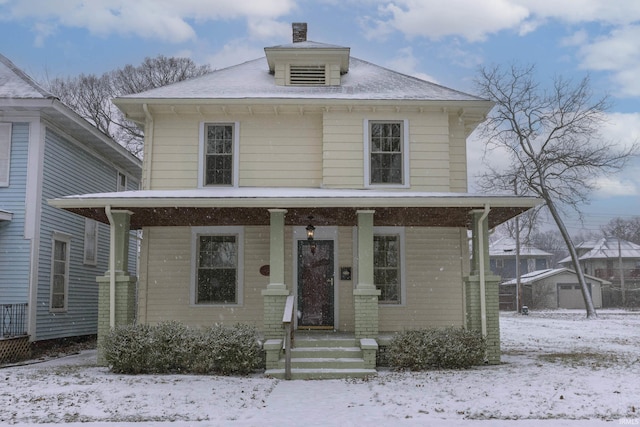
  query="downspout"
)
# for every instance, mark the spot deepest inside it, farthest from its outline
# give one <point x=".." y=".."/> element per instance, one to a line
<point x="148" y="142"/>
<point x="112" y="268"/>
<point x="481" y="255"/>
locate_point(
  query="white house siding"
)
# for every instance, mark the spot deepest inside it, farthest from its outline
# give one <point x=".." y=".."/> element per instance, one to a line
<point x="70" y="169"/>
<point x="15" y="250"/>
<point x="436" y="260"/>
<point x="165" y="285"/>
<point x="273" y="149"/>
<point x="458" y="156"/>
<point x="343" y="147"/>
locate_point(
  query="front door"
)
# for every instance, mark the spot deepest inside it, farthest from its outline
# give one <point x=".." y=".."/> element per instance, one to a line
<point x="315" y="284"/>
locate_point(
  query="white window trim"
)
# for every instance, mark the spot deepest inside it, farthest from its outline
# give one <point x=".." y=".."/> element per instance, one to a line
<point x="5" y="153"/>
<point x="405" y="155"/>
<point x="119" y="186"/>
<point x="400" y="232"/>
<point x="87" y="223"/>
<point x="66" y="238"/>
<point x="235" y="154"/>
<point x="217" y="231"/>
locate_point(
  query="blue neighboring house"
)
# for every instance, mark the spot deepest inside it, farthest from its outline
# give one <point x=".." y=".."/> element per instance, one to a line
<point x="50" y="258"/>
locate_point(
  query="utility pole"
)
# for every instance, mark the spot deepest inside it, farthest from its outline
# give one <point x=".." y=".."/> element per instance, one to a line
<point x="622" y="290"/>
<point x="518" y="285"/>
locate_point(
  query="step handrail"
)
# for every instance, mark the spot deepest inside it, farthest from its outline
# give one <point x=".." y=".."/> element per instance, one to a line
<point x="287" y="321"/>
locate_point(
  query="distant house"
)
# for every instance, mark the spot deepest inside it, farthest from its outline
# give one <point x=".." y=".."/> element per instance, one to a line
<point x="614" y="260"/>
<point x="313" y="183"/>
<point x="502" y="258"/>
<point x="50" y="258"/>
<point x="557" y="288"/>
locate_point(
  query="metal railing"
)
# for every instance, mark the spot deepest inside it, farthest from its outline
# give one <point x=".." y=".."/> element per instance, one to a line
<point x="13" y="320"/>
<point x="287" y="320"/>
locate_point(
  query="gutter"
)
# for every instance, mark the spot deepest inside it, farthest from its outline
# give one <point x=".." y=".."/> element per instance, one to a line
<point x="112" y="268"/>
<point x="148" y="139"/>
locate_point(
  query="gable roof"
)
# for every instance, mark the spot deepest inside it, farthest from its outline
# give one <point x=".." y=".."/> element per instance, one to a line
<point x="251" y="80"/>
<point x="14" y="83"/>
<point x="506" y="247"/>
<point x="537" y="275"/>
<point x="609" y="247"/>
<point x="20" y="94"/>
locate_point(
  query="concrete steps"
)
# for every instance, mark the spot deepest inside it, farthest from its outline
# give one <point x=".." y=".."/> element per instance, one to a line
<point x="324" y="358"/>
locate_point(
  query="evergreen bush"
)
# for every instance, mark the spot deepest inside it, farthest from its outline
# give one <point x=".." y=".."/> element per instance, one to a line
<point x="171" y="347"/>
<point x="443" y="348"/>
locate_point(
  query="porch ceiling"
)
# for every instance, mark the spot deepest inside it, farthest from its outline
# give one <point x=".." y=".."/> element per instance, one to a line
<point x="327" y="206"/>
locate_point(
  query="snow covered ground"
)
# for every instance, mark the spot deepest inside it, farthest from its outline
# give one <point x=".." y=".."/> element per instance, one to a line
<point x="559" y="369"/>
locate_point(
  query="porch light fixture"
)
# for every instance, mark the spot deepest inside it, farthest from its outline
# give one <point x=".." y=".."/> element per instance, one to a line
<point x="310" y="232"/>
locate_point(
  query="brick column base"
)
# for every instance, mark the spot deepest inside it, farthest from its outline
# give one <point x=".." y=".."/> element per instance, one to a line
<point x="125" y="309"/>
<point x="274" y="302"/>
<point x="366" y="312"/>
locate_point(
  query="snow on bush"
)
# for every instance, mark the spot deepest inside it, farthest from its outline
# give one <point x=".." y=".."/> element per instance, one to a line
<point x="171" y="347"/>
<point x="448" y="348"/>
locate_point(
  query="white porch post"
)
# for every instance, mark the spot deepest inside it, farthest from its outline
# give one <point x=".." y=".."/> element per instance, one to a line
<point x="275" y="295"/>
<point x="365" y="294"/>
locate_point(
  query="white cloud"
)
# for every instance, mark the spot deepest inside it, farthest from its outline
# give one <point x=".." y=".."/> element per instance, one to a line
<point x="406" y="63"/>
<point x="167" y="20"/>
<point x="616" y="52"/>
<point x="472" y="20"/>
<point x="233" y="53"/>
<point x="614" y="186"/>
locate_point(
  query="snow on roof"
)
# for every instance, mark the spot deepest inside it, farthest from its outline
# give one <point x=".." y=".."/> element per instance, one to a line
<point x="14" y="83"/>
<point x="537" y="275"/>
<point x="251" y="80"/>
<point x="609" y="247"/>
<point x="307" y="44"/>
<point x="506" y="247"/>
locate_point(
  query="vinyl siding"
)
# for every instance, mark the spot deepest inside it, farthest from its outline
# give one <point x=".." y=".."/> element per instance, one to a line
<point x="15" y="250"/>
<point x="69" y="169"/>
<point x="429" y="151"/>
<point x="434" y="267"/>
<point x="273" y="150"/>
<point x="458" y="156"/>
<point x="165" y="285"/>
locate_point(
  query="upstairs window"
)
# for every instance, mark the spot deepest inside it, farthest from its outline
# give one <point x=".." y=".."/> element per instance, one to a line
<point x="387" y="154"/>
<point x="122" y="182"/>
<point x="219" y="159"/>
<point x="307" y="75"/>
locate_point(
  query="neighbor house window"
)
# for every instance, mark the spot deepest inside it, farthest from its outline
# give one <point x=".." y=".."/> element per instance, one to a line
<point x="90" y="241"/>
<point x="386" y="146"/>
<point x="388" y="264"/>
<point x="5" y="153"/>
<point x="217" y="265"/>
<point x="59" y="272"/>
<point x="219" y="160"/>
<point x="122" y="182"/>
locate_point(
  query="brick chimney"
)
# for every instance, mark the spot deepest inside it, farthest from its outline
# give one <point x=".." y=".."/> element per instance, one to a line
<point x="299" y="32"/>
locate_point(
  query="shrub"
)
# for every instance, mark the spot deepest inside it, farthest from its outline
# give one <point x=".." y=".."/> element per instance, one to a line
<point x="171" y="347"/>
<point x="449" y="348"/>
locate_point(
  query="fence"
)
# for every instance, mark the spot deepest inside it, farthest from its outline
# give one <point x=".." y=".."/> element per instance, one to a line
<point x="13" y="320"/>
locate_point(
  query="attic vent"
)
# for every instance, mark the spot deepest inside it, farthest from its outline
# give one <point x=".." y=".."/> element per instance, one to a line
<point x="307" y="75"/>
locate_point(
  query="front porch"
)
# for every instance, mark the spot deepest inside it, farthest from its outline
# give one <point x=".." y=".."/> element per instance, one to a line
<point x="267" y="224"/>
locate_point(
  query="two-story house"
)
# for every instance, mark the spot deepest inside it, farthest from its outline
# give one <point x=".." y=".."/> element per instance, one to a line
<point x="313" y="174"/>
<point x="617" y="261"/>
<point x="49" y="258"/>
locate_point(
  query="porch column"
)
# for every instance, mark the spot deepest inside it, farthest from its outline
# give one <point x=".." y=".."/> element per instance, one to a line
<point x="116" y="289"/>
<point x="481" y="288"/>
<point x="275" y="295"/>
<point x="365" y="295"/>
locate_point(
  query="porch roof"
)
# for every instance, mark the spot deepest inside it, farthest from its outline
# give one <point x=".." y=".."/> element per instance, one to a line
<point x="249" y="206"/>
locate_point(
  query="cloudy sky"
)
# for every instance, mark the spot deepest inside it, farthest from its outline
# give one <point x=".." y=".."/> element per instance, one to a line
<point x="444" y="41"/>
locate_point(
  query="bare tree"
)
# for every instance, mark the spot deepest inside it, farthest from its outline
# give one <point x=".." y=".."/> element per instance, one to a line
<point x="551" y="138"/>
<point x="91" y="95"/>
<point x="625" y="229"/>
